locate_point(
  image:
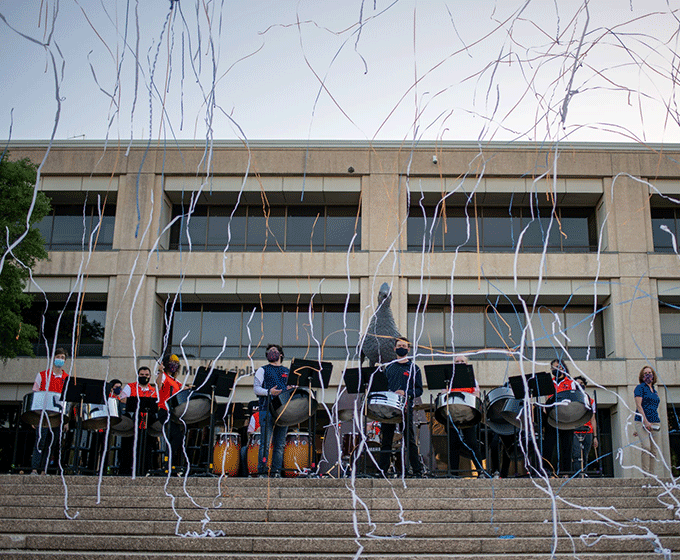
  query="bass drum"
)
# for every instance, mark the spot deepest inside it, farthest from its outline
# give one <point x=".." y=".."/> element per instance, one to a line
<point x="494" y="404"/>
<point x="568" y="410"/>
<point x="385" y="406"/>
<point x="226" y="454"/>
<point x="98" y="416"/>
<point x="44" y="408"/>
<point x="292" y="406"/>
<point x="189" y="407"/>
<point x="296" y="454"/>
<point x="461" y="408"/>
<point x="254" y="441"/>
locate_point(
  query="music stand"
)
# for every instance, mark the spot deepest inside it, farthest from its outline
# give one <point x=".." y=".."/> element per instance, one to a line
<point x="540" y="385"/>
<point x="310" y="373"/>
<point x="82" y="390"/>
<point x="353" y="381"/>
<point x="138" y="406"/>
<point x="216" y="383"/>
<point x="454" y="376"/>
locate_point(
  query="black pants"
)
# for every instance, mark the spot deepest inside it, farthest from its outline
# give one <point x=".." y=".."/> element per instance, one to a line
<point x="409" y="441"/>
<point x="564" y="440"/>
<point x="463" y="441"/>
<point x="176" y="438"/>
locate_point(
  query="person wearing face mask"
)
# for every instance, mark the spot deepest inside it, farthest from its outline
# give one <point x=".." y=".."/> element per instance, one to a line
<point x="140" y="388"/>
<point x="270" y="381"/>
<point x="647" y="421"/>
<point x="405" y="379"/>
<point x="47" y="439"/>
<point x="561" y="438"/>
<point x="166" y="380"/>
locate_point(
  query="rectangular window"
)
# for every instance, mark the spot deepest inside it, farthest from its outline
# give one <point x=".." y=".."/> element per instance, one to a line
<point x="200" y="330"/>
<point x="670" y="330"/>
<point x="69" y="227"/>
<point x="498" y="229"/>
<point x="274" y="228"/>
<point x="60" y="316"/>
<point x="479" y="327"/>
<point x="665" y="226"/>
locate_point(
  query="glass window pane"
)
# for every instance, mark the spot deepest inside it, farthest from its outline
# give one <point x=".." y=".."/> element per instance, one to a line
<point x="504" y="329"/>
<point x="468" y="329"/>
<point x="44" y="226"/>
<point x="499" y="230"/>
<point x="68" y="233"/>
<point x="578" y="327"/>
<point x="461" y="232"/>
<point x="105" y="239"/>
<point x="221" y="226"/>
<point x="340" y="230"/>
<point x="269" y="230"/>
<point x="575" y="230"/>
<point x="663" y="241"/>
<point x="186" y="323"/>
<point x="305" y="229"/>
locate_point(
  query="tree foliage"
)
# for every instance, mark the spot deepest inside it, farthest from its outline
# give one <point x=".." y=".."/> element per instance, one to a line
<point x="17" y="183"/>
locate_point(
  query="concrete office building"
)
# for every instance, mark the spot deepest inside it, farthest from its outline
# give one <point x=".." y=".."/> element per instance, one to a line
<point x="290" y="242"/>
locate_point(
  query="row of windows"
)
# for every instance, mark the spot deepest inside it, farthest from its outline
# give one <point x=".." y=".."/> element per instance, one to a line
<point x="251" y="228"/>
<point x="499" y="229"/>
<point x="336" y="228"/>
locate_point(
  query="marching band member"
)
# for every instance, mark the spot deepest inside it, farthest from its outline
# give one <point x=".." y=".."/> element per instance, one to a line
<point x="168" y="386"/>
<point x="555" y="436"/>
<point x="461" y="439"/>
<point x="140" y="388"/>
<point x="270" y="381"/>
<point x="405" y="379"/>
<point x="54" y="381"/>
<point x="585" y="436"/>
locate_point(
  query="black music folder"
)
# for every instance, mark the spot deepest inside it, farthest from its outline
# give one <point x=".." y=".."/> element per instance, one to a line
<point x="540" y="385"/>
<point x="457" y="376"/>
<point x="306" y="373"/>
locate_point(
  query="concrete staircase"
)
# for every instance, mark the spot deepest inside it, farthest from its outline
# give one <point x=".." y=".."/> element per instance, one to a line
<point x="155" y="518"/>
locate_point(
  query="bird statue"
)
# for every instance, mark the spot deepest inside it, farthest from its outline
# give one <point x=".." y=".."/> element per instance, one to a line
<point x="378" y="343"/>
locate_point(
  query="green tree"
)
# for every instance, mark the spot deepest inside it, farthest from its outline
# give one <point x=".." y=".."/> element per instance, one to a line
<point x="17" y="181"/>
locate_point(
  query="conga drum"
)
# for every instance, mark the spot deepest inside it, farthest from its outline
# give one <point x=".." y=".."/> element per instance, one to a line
<point x="253" y="452"/>
<point x="226" y="454"/>
<point x="296" y="454"/>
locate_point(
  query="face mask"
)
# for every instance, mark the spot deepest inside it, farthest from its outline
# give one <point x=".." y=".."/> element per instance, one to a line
<point x="648" y="378"/>
<point x="58" y="362"/>
<point x="273" y="355"/>
<point x="142" y="380"/>
<point x="401" y="352"/>
<point x="116" y="390"/>
<point x="173" y="367"/>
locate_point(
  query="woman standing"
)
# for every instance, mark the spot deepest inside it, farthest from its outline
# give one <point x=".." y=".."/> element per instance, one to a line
<point x="647" y="420"/>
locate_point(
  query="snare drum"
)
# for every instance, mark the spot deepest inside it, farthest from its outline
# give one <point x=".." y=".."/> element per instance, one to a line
<point x="292" y="406"/>
<point x="44" y="408"/>
<point x="295" y="454"/>
<point x="461" y="408"/>
<point x="569" y="410"/>
<point x="252" y="455"/>
<point x="98" y="416"/>
<point x="226" y="454"/>
<point x="385" y="406"/>
<point x="189" y="407"/>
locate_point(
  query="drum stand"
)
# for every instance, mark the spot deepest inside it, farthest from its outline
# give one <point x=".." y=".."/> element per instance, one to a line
<point x="220" y="384"/>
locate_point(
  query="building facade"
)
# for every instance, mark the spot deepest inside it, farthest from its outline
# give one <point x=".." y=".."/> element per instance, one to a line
<point x="512" y="253"/>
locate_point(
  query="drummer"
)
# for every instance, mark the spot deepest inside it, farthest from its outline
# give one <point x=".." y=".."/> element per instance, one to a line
<point x="140" y="388"/>
<point x="557" y="436"/>
<point x="461" y="439"/>
<point x="405" y="379"/>
<point x="49" y="380"/>
<point x="168" y="386"/>
<point x="270" y="381"/>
